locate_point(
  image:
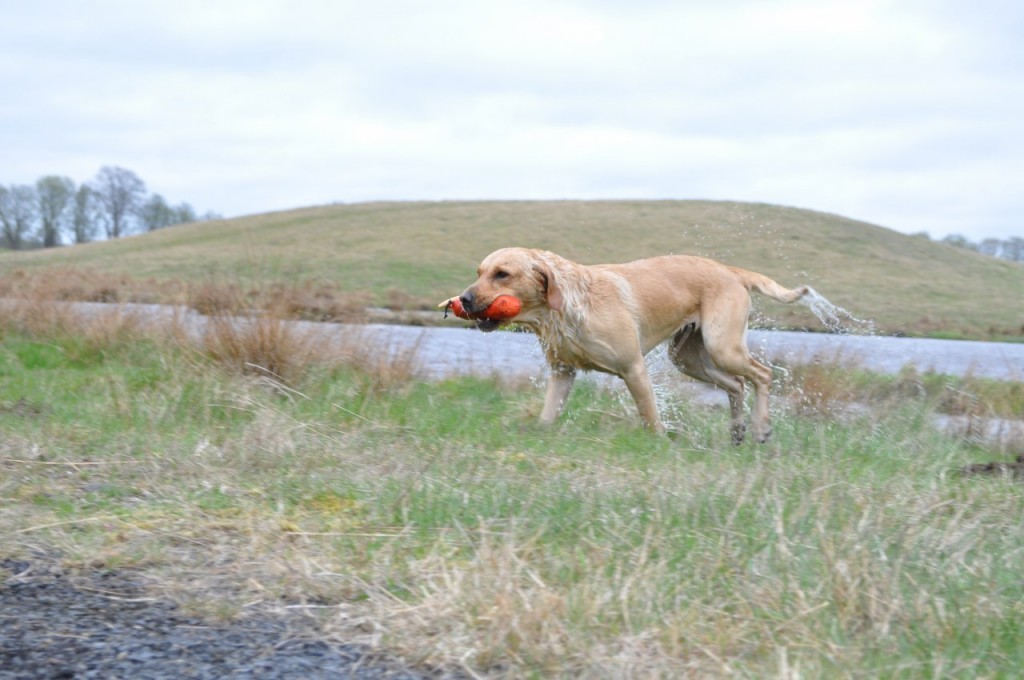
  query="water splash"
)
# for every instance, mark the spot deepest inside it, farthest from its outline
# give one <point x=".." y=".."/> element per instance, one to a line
<point x="836" y="319"/>
<point x="675" y="398"/>
<point x="682" y="402"/>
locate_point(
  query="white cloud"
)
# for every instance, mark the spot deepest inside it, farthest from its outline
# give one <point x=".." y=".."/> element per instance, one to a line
<point x="906" y="114"/>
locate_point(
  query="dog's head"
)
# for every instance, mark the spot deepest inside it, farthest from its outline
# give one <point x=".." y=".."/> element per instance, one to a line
<point x="520" y="272"/>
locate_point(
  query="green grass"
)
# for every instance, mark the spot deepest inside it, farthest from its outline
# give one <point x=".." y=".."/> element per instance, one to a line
<point x="413" y="255"/>
<point x="439" y="520"/>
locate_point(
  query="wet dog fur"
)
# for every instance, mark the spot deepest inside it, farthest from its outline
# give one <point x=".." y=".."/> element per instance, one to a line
<point x="607" y="317"/>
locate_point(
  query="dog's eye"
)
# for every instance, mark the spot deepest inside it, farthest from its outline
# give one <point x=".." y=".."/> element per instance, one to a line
<point x="500" y="274"/>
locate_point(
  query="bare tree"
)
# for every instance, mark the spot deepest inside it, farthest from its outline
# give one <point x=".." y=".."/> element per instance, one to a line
<point x="54" y="195"/>
<point x="6" y="226"/>
<point x="83" y="215"/>
<point x="17" y="213"/>
<point x="959" y="241"/>
<point x="990" y="247"/>
<point x="119" y="192"/>
<point x="1013" y="249"/>
<point x="114" y="198"/>
<point x="185" y="213"/>
<point x="156" y="214"/>
<point x="5" y="223"/>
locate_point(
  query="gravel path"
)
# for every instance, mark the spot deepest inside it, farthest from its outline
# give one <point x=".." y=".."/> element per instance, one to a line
<point x="103" y="626"/>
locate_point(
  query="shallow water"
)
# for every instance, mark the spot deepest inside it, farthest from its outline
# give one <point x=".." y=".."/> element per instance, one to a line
<point x="448" y="351"/>
<point x="457" y="350"/>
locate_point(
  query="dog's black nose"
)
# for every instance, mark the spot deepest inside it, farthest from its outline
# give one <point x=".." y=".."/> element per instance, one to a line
<point x="467" y="299"/>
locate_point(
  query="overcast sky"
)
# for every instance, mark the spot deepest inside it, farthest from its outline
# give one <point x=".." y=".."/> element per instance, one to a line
<point x="908" y="114"/>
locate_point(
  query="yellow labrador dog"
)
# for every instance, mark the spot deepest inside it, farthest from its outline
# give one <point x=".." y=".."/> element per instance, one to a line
<point x="608" y="317"/>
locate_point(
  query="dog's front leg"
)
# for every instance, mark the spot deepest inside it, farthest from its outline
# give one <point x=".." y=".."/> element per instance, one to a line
<point x="559" y="386"/>
<point x="639" y="383"/>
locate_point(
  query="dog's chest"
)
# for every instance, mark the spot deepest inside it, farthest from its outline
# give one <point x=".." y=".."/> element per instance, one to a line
<point x="565" y="350"/>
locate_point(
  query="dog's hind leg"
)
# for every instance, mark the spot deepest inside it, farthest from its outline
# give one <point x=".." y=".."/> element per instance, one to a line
<point x="689" y="354"/>
<point x="729" y="354"/>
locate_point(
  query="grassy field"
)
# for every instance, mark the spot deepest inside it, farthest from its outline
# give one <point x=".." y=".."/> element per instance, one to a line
<point x="437" y="520"/>
<point x="333" y="261"/>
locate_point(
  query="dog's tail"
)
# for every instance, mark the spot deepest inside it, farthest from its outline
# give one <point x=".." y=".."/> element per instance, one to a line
<point x="765" y="286"/>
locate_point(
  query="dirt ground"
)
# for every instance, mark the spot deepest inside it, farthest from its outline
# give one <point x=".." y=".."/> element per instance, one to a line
<point x="997" y="468"/>
<point x="102" y="625"/>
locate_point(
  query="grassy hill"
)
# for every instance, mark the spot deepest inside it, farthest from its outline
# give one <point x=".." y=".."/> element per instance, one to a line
<point x="414" y="254"/>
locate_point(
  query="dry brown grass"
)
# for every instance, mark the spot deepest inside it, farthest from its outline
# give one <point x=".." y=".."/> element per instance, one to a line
<point x="94" y="330"/>
<point x="822" y="388"/>
<point x="286" y="352"/>
<point x="305" y="300"/>
<point x="262" y="345"/>
<point x="308" y="301"/>
<point x="261" y="340"/>
<point x="970" y="409"/>
<point x="84" y="284"/>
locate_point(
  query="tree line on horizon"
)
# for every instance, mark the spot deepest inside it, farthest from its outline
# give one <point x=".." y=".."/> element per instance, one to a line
<point x="54" y="211"/>
<point x="43" y="215"/>
<point x="1011" y="249"/>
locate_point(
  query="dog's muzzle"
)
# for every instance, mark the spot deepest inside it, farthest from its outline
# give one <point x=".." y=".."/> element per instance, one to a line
<point x="487" y="325"/>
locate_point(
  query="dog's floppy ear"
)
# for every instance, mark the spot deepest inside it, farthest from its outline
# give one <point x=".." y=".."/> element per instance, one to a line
<point x="549" y="284"/>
